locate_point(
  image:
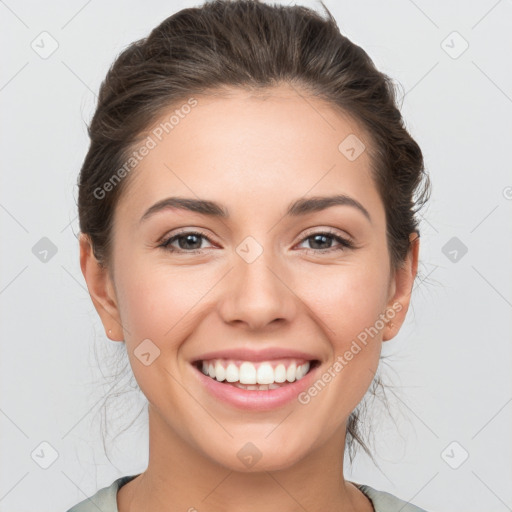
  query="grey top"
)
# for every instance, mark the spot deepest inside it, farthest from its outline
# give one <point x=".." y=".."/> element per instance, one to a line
<point x="105" y="500"/>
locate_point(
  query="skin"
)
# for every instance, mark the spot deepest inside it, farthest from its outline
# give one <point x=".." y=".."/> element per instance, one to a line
<point x="255" y="155"/>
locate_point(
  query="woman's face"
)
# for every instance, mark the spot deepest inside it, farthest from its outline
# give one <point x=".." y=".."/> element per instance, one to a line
<point x="273" y="285"/>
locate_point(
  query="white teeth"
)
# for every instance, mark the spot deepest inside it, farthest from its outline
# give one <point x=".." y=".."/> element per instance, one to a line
<point x="220" y="372"/>
<point x="247" y="374"/>
<point x="232" y="373"/>
<point x="264" y="376"/>
<point x="280" y="373"/>
<point x="290" y="372"/>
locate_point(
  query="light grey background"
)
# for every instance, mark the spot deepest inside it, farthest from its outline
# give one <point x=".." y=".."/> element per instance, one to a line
<point x="451" y="362"/>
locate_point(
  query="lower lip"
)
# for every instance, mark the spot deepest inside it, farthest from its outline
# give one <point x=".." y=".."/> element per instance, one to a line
<point x="256" y="400"/>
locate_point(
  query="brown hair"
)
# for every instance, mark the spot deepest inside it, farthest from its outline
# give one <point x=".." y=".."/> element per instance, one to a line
<point x="250" y="45"/>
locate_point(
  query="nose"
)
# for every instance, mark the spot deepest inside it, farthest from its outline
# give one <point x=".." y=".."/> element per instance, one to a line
<point x="258" y="294"/>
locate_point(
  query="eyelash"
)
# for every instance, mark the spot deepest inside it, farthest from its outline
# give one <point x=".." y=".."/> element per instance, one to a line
<point x="344" y="243"/>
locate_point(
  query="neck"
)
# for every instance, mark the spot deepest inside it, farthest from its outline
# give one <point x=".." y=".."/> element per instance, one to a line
<point x="181" y="478"/>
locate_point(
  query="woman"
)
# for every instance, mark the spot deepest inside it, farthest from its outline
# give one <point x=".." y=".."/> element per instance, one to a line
<point x="248" y="231"/>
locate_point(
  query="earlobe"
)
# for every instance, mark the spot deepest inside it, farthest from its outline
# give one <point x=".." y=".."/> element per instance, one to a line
<point x="403" y="282"/>
<point x="101" y="290"/>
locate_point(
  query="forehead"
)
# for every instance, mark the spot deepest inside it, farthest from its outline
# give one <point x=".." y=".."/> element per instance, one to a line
<point x="245" y="148"/>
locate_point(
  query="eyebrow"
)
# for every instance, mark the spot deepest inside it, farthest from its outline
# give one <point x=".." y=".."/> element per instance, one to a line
<point x="301" y="206"/>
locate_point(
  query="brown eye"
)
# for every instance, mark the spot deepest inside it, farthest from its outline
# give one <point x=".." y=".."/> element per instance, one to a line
<point x="318" y="242"/>
<point x="188" y="241"/>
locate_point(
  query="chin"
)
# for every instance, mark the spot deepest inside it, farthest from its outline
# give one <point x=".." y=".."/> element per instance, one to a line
<point x="256" y="456"/>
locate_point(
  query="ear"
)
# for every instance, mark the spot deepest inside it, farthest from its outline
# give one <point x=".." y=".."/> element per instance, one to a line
<point x="401" y="289"/>
<point x="101" y="290"/>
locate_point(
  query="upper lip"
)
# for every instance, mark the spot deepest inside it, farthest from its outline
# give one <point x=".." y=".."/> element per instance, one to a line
<point x="266" y="354"/>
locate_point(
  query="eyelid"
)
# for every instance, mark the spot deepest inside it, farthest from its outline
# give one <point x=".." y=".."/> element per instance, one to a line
<point x="327" y="230"/>
<point x="184" y="231"/>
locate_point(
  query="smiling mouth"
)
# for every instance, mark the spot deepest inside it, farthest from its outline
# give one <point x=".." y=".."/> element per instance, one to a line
<point x="264" y="375"/>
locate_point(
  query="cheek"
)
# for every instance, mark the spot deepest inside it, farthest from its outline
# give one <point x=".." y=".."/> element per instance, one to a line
<point x="158" y="303"/>
<point x="348" y="301"/>
<point x="347" y="298"/>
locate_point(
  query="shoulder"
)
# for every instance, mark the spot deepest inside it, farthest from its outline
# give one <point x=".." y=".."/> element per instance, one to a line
<point x="104" y="499"/>
<point x="385" y="502"/>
